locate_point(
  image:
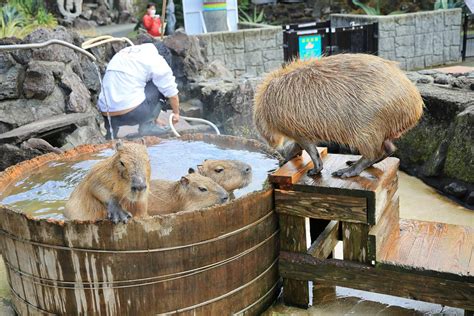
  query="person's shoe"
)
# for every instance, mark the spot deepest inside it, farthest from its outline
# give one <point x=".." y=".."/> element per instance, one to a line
<point x="150" y="129"/>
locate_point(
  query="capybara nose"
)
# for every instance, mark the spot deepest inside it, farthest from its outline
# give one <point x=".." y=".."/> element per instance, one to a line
<point x="224" y="198"/>
<point x="139" y="187"/>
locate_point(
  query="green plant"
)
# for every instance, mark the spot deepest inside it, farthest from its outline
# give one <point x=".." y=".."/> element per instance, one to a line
<point x="374" y="11"/>
<point x="244" y="5"/>
<point x="13" y="23"/>
<point x="448" y="4"/>
<point x="255" y="18"/>
<point x="35" y="11"/>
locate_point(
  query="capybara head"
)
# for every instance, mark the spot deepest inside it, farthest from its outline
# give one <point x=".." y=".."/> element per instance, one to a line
<point x="200" y="192"/>
<point x="133" y="166"/>
<point x="230" y="174"/>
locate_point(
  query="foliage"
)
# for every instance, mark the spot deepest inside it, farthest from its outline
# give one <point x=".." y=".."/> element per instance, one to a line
<point x="244" y="5"/>
<point x="254" y="18"/>
<point x="448" y="4"/>
<point x="374" y="11"/>
<point x="20" y="17"/>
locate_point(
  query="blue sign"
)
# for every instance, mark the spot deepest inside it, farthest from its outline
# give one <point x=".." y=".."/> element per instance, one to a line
<point x="310" y="46"/>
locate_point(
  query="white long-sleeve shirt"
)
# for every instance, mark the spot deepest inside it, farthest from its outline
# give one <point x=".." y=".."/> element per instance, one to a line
<point x="127" y="74"/>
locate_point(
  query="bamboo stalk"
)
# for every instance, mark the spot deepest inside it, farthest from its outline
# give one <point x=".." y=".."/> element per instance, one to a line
<point x="163" y="17"/>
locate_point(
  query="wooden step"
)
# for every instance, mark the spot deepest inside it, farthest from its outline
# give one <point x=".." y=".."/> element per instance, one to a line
<point x="430" y="247"/>
<point x="359" y="199"/>
<point x="44" y="127"/>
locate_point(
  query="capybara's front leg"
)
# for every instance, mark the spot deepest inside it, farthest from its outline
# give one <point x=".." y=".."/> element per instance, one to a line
<point x="116" y="213"/>
<point x="312" y="151"/>
<point x="290" y="150"/>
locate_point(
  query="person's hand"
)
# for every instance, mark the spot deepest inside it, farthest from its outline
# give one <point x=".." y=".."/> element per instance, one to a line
<point x="175" y="118"/>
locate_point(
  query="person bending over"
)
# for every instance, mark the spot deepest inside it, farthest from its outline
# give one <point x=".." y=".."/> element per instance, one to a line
<point x="135" y="85"/>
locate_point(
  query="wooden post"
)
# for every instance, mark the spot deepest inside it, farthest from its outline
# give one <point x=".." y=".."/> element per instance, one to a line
<point x="355" y="238"/>
<point x="293" y="237"/>
<point x="163" y="19"/>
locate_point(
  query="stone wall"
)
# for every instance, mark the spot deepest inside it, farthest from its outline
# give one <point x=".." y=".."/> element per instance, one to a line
<point x="416" y="40"/>
<point x="249" y="51"/>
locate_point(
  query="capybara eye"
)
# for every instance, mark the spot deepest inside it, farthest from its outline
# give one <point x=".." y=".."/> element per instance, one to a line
<point x="121" y="162"/>
<point x="202" y="189"/>
<point x="219" y="170"/>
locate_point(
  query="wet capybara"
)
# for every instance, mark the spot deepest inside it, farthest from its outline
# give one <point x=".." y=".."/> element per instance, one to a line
<point x="115" y="188"/>
<point x="358" y="100"/>
<point x="192" y="192"/>
<point x="229" y="174"/>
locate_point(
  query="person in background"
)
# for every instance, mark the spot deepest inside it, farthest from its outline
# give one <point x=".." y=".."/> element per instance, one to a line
<point x="151" y="21"/>
<point x="136" y="84"/>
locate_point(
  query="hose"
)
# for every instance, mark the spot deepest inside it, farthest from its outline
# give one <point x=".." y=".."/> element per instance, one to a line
<point x="191" y="119"/>
<point x="103" y="40"/>
<point x="49" y="42"/>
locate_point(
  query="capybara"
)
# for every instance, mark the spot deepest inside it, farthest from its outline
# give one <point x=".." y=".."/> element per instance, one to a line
<point x="229" y="174"/>
<point x="358" y="100"/>
<point x="192" y="192"/>
<point x="115" y="188"/>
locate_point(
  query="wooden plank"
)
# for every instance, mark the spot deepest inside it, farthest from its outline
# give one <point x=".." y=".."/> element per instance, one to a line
<point x="321" y="206"/>
<point x="430" y="246"/>
<point x="409" y="284"/>
<point x="387" y="226"/>
<point x="326" y="241"/>
<point x="384" y="194"/>
<point x="355" y="241"/>
<point x="294" y="169"/>
<point x="294" y="237"/>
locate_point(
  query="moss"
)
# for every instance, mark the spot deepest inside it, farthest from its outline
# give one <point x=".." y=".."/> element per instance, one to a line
<point x="460" y="159"/>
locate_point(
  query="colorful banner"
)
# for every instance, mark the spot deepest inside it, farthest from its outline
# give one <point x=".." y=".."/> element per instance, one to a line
<point x="310" y="46"/>
<point x="214" y="6"/>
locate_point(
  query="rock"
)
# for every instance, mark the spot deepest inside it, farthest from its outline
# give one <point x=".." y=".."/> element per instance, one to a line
<point x="39" y="80"/>
<point x="124" y="17"/>
<point x="434" y="166"/>
<point x="470" y="198"/>
<point x="425" y="79"/>
<point x="41" y="145"/>
<point x="82" y="24"/>
<point x="462" y="82"/>
<point x="442" y="79"/>
<point x="217" y="69"/>
<point x="83" y="135"/>
<point x="187" y="51"/>
<point x="89" y="74"/>
<point x="9" y="82"/>
<point x="100" y="15"/>
<point x="428" y="72"/>
<point x="23" y="111"/>
<point x="86" y="14"/>
<point x="460" y="157"/>
<point x="192" y="108"/>
<point x="456" y="190"/>
<point x="78" y="100"/>
<point x="11" y="155"/>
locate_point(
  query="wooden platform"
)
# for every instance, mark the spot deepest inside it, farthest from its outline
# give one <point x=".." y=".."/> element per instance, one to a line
<point x="430" y="246"/>
<point x="427" y="261"/>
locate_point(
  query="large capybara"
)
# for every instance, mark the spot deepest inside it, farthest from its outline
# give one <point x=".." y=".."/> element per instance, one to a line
<point x="229" y="174"/>
<point x="191" y="192"/>
<point x="115" y="188"/>
<point x="358" y="100"/>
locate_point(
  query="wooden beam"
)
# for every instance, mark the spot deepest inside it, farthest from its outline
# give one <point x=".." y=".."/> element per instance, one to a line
<point x="293" y="237"/>
<point x="355" y="242"/>
<point x="409" y="284"/>
<point x="294" y="169"/>
<point x="326" y="241"/>
<point x="322" y="206"/>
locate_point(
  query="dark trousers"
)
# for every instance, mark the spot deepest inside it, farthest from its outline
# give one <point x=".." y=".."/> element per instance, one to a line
<point x="146" y="113"/>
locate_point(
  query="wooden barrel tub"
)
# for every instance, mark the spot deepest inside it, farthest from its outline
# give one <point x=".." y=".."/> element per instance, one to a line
<point x="217" y="261"/>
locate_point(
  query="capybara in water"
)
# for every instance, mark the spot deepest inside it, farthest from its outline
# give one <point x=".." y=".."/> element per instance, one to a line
<point x="191" y="192"/>
<point x="229" y="174"/>
<point x="115" y="188"/>
<point x="358" y="100"/>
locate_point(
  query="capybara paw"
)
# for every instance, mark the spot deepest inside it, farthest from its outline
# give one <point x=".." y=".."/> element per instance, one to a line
<point x="314" y="172"/>
<point x="118" y="215"/>
<point x="346" y="173"/>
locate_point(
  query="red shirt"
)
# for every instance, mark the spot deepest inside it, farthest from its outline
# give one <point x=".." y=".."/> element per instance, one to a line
<point x="152" y="25"/>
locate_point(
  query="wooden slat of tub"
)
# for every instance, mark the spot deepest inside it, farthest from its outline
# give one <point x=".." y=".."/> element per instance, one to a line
<point x="430" y="246"/>
<point x="294" y="169"/>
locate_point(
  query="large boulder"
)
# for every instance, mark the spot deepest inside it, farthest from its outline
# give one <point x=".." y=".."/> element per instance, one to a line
<point x="10" y="76"/>
<point x="39" y="80"/>
<point x="77" y="95"/>
<point x="11" y="155"/>
<point x="101" y="15"/>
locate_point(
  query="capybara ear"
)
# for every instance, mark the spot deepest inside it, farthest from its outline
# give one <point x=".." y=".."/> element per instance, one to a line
<point x="184" y="181"/>
<point x="191" y="170"/>
<point x="199" y="167"/>
<point x="119" y="144"/>
<point x="142" y="141"/>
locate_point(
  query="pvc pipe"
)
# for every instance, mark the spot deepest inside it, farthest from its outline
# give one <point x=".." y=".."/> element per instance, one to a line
<point x="104" y="39"/>
<point x="191" y="119"/>
<point x="49" y="42"/>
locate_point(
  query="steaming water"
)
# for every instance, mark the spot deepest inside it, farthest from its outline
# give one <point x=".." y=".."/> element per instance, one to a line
<point x="43" y="192"/>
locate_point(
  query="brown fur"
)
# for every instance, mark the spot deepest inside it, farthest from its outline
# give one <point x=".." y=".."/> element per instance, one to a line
<point x="185" y="195"/>
<point x="353" y="99"/>
<point x="110" y="179"/>
<point x="229" y="174"/>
